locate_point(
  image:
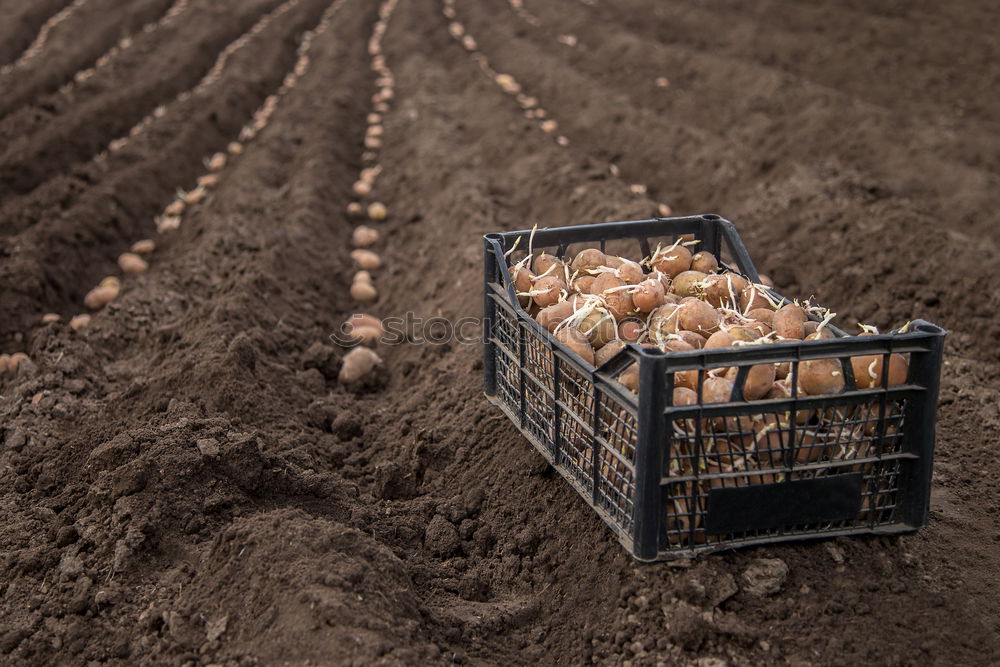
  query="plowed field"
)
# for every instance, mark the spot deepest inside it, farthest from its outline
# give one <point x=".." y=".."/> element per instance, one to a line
<point x="185" y="481"/>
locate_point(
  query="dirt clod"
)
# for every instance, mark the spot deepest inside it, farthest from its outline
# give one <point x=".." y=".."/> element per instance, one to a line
<point x="764" y="576"/>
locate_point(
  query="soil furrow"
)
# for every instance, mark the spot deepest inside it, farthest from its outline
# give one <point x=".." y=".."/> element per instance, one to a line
<point x="710" y="89"/>
<point x="55" y="260"/>
<point x="926" y="151"/>
<point x="85" y="129"/>
<point x="20" y="23"/>
<point x="74" y="44"/>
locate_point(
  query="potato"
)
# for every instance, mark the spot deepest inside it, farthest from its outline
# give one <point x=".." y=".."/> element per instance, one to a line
<point x="759" y="380"/>
<point x="630" y="330"/>
<point x="377" y="211"/>
<point x="168" y="223"/>
<point x="716" y="390"/>
<point x="366" y="259"/>
<point x="705" y="262"/>
<point x="619" y="304"/>
<point x="367" y="328"/>
<point x="606" y="281"/>
<point x="599" y="328"/>
<point x="685" y="396"/>
<point x="363" y="320"/>
<point x="132" y="264"/>
<point x="765" y="281"/>
<point x="608" y="351"/>
<point x="672" y="261"/>
<point x="368" y="336"/>
<point x="355" y="210"/>
<point x="699" y="317"/>
<point x="676" y="344"/>
<point x="583" y="284"/>
<point x="588" y="260"/>
<point x="630" y="271"/>
<point x="695" y="340"/>
<point x="716" y="291"/>
<point x="664" y="321"/>
<point x="14" y="361"/>
<point x="648" y="295"/>
<point x="720" y="338"/>
<point x="751" y="298"/>
<point x="522" y="278"/>
<point x="759" y="327"/>
<point x="4" y="363"/>
<point x="576" y="341"/>
<point x="51" y="318"/>
<point x="820" y="376"/>
<point x="765" y="315"/>
<point x="542" y="265"/>
<point x="744" y="333"/>
<point x="195" y="196"/>
<point x="143" y="247"/>
<point x="789" y="322"/>
<point x="811" y="447"/>
<point x="779" y="388"/>
<point x="101" y="296"/>
<point x="362" y="277"/>
<point x="174" y="208"/>
<point x="364" y="236"/>
<point x="813" y="332"/>
<point x="208" y="180"/>
<point x="819" y="334"/>
<point x="79" y="322"/>
<point x="357" y="365"/>
<point x="549" y="288"/>
<point x="688" y="379"/>
<point x="363" y="291"/>
<point x="217" y="162"/>
<point x="551" y="316"/>
<point x="687" y="283"/>
<point x="868" y="370"/>
<point x="630" y="378"/>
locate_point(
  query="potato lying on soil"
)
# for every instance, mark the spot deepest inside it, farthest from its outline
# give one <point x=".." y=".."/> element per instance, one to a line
<point x="366" y="328"/>
<point x="358" y="364"/>
<point x="103" y="294"/>
<point x="132" y="264"/>
<point x="366" y="259"/>
<point x="79" y="322"/>
<point x="364" y="236"/>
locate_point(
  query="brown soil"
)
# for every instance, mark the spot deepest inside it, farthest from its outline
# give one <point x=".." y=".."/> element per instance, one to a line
<point x="185" y="481"/>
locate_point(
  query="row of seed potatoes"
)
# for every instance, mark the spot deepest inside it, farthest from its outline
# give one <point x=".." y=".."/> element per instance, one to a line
<point x="529" y="104"/>
<point x="361" y="361"/>
<point x="210" y="78"/>
<point x="135" y="260"/>
<point x="43" y="36"/>
<point x="125" y="43"/>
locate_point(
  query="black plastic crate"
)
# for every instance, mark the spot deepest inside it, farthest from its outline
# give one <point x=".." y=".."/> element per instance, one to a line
<point x="668" y="479"/>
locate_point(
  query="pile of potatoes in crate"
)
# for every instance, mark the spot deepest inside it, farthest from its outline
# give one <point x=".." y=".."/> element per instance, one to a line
<point x="679" y="300"/>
